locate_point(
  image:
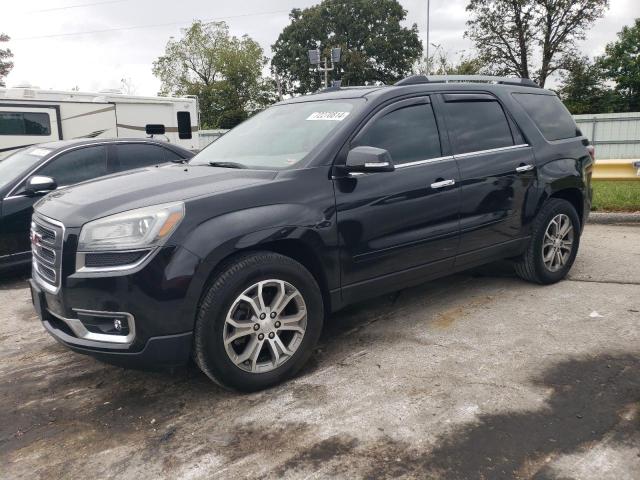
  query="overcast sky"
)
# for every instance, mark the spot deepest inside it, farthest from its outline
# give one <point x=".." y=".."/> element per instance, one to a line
<point x="49" y="54"/>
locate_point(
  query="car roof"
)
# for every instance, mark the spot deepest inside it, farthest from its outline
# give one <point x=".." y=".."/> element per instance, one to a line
<point x="439" y="84"/>
<point x="62" y="144"/>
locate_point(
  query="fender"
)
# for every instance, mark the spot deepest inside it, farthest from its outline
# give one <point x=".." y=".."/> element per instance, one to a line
<point x="566" y="178"/>
<point x="260" y="228"/>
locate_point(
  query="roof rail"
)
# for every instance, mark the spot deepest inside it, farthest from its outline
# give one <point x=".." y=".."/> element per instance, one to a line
<point x="419" y="79"/>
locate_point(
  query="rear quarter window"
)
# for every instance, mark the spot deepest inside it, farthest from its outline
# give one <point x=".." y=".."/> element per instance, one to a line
<point x="549" y="114"/>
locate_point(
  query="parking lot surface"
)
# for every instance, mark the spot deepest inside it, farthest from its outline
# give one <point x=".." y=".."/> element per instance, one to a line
<point x="475" y="376"/>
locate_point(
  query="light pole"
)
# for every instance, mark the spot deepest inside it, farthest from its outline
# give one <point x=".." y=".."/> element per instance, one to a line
<point x="428" y="11"/>
<point x="314" y="59"/>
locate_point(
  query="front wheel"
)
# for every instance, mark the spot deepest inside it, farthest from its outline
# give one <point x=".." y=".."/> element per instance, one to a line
<point x="553" y="245"/>
<point x="258" y="322"/>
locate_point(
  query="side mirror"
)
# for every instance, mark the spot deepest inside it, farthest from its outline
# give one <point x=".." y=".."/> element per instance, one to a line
<point x="369" y="159"/>
<point x="39" y="183"/>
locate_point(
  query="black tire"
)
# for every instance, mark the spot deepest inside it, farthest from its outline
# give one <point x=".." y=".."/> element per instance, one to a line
<point x="234" y="277"/>
<point x="531" y="265"/>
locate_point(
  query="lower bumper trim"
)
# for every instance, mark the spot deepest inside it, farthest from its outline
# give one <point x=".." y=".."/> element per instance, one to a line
<point x="158" y="353"/>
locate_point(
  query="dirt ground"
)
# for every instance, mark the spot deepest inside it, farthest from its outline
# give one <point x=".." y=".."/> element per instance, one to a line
<point x="475" y="376"/>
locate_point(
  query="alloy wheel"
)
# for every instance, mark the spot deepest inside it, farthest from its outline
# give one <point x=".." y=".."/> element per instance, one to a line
<point x="557" y="244"/>
<point x="265" y="326"/>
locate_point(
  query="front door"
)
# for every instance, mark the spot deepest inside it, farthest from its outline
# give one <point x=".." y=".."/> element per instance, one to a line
<point x="497" y="172"/>
<point x="395" y="227"/>
<point x="67" y="169"/>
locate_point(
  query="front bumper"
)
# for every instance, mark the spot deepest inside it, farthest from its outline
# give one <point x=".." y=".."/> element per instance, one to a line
<point x="150" y="305"/>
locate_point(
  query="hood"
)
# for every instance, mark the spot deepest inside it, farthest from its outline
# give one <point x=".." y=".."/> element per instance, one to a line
<point x="78" y="204"/>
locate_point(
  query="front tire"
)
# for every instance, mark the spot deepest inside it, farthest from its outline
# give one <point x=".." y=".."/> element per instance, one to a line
<point x="554" y="244"/>
<point x="258" y="322"/>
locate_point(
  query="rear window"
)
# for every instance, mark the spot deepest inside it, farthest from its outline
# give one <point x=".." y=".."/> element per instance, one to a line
<point x="549" y="114"/>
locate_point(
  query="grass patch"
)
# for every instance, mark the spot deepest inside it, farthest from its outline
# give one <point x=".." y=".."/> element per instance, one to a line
<point x="616" y="196"/>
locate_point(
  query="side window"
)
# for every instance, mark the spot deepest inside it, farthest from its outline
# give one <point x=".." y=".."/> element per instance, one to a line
<point x="171" y="156"/>
<point x="549" y="114"/>
<point x="24" y="123"/>
<point x="477" y="125"/>
<point x="184" y="125"/>
<point x="138" y="155"/>
<point x="409" y="134"/>
<point x="77" y="166"/>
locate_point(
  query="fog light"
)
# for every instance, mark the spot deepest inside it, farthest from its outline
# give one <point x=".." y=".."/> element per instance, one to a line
<point x="117" y="324"/>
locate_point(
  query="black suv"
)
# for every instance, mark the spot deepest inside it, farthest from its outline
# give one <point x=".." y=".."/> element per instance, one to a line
<point x="31" y="172"/>
<point x="235" y="258"/>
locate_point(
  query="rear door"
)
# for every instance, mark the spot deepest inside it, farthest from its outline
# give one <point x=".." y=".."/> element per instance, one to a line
<point x="21" y="126"/>
<point x="392" y="222"/>
<point x="497" y="171"/>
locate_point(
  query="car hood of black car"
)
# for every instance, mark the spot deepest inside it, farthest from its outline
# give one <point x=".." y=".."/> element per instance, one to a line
<point x="78" y="204"/>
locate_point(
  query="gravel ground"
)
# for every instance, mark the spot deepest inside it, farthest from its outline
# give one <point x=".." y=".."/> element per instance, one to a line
<point x="475" y="376"/>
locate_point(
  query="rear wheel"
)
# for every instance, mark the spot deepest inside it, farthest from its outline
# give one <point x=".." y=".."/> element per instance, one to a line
<point x="554" y="244"/>
<point x="258" y="322"/>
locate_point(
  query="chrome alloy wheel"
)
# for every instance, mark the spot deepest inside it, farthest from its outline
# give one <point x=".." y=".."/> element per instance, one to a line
<point x="557" y="244"/>
<point x="265" y="326"/>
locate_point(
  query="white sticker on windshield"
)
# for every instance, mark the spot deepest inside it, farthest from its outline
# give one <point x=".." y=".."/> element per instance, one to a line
<point x="335" y="116"/>
<point x="39" y="152"/>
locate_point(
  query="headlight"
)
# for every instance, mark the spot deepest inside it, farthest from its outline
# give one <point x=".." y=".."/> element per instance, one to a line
<point x="140" y="228"/>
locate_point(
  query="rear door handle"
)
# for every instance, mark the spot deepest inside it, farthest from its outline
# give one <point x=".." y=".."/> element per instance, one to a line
<point x="524" y="168"/>
<point x="443" y="183"/>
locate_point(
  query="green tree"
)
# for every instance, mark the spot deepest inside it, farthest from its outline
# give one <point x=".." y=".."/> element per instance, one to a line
<point x="441" y="64"/>
<point x="5" y="60"/>
<point x="510" y="34"/>
<point x="223" y="71"/>
<point x="621" y="64"/>
<point x="375" y="46"/>
<point x="583" y="88"/>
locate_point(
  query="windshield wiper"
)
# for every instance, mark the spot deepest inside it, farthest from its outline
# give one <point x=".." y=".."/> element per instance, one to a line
<point x="227" y="164"/>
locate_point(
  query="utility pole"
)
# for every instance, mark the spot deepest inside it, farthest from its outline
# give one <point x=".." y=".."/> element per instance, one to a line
<point x="428" y="59"/>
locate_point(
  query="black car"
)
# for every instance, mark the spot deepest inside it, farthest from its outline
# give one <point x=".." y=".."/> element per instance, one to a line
<point x="28" y="174"/>
<point x="317" y="202"/>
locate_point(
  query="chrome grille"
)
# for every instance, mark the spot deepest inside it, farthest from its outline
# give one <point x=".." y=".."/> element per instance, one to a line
<point x="46" y="247"/>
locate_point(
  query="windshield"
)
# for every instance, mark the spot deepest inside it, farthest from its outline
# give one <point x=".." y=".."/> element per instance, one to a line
<point x="20" y="163"/>
<point x="278" y="137"/>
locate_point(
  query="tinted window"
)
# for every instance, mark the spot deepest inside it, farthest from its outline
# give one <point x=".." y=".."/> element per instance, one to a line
<point x="477" y="125"/>
<point x="20" y="163"/>
<point x="549" y="114"/>
<point x="184" y="125"/>
<point x="138" y="155"/>
<point x="77" y="166"/>
<point x="408" y="134"/>
<point x="24" y="123"/>
<point x="171" y="156"/>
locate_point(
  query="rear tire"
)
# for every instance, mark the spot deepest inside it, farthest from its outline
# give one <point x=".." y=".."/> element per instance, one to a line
<point x="554" y="244"/>
<point x="258" y="322"/>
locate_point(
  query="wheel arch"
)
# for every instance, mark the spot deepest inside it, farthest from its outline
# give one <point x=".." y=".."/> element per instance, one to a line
<point x="299" y="243"/>
<point x="575" y="197"/>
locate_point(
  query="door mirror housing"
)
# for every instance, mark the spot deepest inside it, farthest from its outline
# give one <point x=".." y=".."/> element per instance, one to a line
<point x="39" y="184"/>
<point x="369" y="159"/>
<point x="154" y="129"/>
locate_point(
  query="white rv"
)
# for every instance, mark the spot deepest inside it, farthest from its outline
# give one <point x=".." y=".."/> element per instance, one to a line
<point x="29" y="116"/>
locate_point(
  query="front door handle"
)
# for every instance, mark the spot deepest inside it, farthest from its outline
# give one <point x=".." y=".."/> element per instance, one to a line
<point x="443" y="183"/>
<point x="524" y="168"/>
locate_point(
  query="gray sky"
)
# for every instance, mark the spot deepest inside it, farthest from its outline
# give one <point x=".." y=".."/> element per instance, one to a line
<point x="99" y="60"/>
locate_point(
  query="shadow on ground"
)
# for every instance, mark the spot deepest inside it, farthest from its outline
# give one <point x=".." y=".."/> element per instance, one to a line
<point x="591" y="400"/>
